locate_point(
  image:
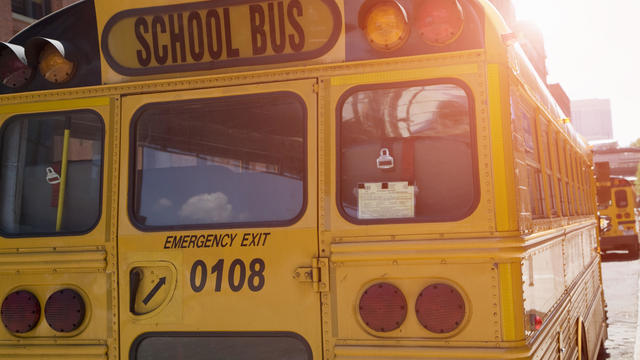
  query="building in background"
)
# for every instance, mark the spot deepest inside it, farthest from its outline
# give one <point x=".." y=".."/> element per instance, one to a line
<point x="506" y="9"/>
<point x="532" y="42"/>
<point x="592" y="118"/>
<point x="623" y="161"/>
<point x="561" y="97"/>
<point x="15" y="15"/>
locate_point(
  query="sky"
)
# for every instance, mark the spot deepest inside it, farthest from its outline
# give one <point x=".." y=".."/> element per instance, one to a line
<point x="593" y="51"/>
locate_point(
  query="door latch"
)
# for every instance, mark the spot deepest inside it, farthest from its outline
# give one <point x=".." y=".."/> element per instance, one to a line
<point x="317" y="274"/>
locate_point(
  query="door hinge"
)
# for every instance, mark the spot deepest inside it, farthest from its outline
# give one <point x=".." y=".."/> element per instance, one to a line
<point x="317" y="274"/>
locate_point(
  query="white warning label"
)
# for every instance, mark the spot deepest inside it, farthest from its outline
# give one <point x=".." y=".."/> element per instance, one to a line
<point x="386" y="200"/>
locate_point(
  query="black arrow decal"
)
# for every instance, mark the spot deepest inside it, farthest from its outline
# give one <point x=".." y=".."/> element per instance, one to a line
<point x="163" y="280"/>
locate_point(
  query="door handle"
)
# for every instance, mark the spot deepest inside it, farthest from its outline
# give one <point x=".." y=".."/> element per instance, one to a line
<point x="134" y="282"/>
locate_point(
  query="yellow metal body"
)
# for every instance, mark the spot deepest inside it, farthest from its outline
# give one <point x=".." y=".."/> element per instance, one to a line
<point x="510" y="263"/>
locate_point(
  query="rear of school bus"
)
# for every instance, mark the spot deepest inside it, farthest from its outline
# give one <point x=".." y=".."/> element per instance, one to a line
<point x="616" y="203"/>
<point x="271" y="179"/>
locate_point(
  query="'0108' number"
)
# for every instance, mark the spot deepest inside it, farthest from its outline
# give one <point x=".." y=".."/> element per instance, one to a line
<point x="236" y="275"/>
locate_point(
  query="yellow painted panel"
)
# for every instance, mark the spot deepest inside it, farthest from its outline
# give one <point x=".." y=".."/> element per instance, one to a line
<point x="476" y="282"/>
<point x="503" y="182"/>
<point x="230" y="279"/>
<point x="507" y="302"/>
<point x="54" y="105"/>
<point x="400" y="75"/>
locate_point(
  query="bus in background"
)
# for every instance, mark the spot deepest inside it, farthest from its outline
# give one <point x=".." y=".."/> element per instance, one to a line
<point x="616" y="200"/>
<point x="290" y="179"/>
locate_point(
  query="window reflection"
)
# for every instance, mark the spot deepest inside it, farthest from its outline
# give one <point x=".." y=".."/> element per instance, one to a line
<point x="621" y="199"/>
<point x="236" y="159"/>
<point x="426" y="130"/>
<point x="31" y="173"/>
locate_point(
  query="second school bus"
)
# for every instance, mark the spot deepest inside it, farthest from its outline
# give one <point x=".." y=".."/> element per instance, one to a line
<point x="616" y="200"/>
<point x="290" y="179"/>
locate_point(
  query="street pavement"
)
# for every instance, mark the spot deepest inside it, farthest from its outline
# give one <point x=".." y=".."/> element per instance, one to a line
<point x="620" y="279"/>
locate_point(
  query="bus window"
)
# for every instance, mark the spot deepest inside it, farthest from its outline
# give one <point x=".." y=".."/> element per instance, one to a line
<point x="407" y="152"/>
<point x="227" y="346"/>
<point x="31" y="174"/>
<point x="603" y="195"/>
<point x="621" y="198"/>
<point x="230" y="160"/>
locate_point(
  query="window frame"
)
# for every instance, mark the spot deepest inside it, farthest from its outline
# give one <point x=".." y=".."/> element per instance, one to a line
<point x="471" y="103"/>
<point x="131" y="193"/>
<point x="133" y="350"/>
<point x="27" y="8"/>
<point x="102" y="164"/>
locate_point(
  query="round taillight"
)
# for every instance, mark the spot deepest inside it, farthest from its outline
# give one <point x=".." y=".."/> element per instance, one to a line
<point x="618" y="216"/>
<point x="627" y="215"/>
<point x="538" y="322"/>
<point x="14" y="70"/>
<point x="20" y="311"/>
<point x="385" y="24"/>
<point x="54" y="66"/>
<point x="440" y="308"/>
<point x="439" y="22"/>
<point x="383" y="307"/>
<point x="64" y="310"/>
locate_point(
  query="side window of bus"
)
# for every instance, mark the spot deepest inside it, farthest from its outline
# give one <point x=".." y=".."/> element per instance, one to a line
<point x="545" y="152"/>
<point x="525" y="129"/>
<point x="561" y="174"/>
<point x="36" y="151"/>
<point x="603" y="196"/>
<point x="621" y="198"/>
<point x="228" y="161"/>
<point x="407" y="152"/>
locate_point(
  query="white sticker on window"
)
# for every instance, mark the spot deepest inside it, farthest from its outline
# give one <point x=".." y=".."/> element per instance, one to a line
<point x="386" y="200"/>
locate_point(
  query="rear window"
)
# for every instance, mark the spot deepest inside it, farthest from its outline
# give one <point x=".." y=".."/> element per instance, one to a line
<point x="407" y="153"/>
<point x="220" y="162"/>
<point x="51" y="173"/>
<point x="221" y="346"/>
<point x="621" y="198"/>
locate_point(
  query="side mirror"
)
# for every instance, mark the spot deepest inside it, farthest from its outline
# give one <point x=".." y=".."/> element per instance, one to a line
<point x="605" y="223"/>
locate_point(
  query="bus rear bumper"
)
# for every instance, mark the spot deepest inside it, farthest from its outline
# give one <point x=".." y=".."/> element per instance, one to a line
<point x="393" y="352"/>
<point x="625" y="242"/>
<point x="53" y="351"/>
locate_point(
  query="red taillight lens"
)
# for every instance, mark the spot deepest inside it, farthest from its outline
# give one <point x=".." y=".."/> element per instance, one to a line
<point x="14" y="70"/>
<point x="627" y="215"/>
<point x="535" y="322"/>
<point x="440" y="308"/>
<point x="20" y="311"/>
<point x="64" y="310"/>
<point x="439" y="22"/>
<point x="618" y="216"/>
<point x="538" y="322"/>
<point x="383" y="307"/>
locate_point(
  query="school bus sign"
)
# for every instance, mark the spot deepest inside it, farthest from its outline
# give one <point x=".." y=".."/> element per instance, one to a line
<point x="213" y="35"/>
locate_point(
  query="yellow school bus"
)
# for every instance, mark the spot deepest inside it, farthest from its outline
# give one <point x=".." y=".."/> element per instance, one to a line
<point x="616" y="203"/>
<point x="290" y="179"/>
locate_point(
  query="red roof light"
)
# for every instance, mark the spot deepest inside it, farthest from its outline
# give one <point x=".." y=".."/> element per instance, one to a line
<point x="14" y="69"/>
<point x="439" y="22"/>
